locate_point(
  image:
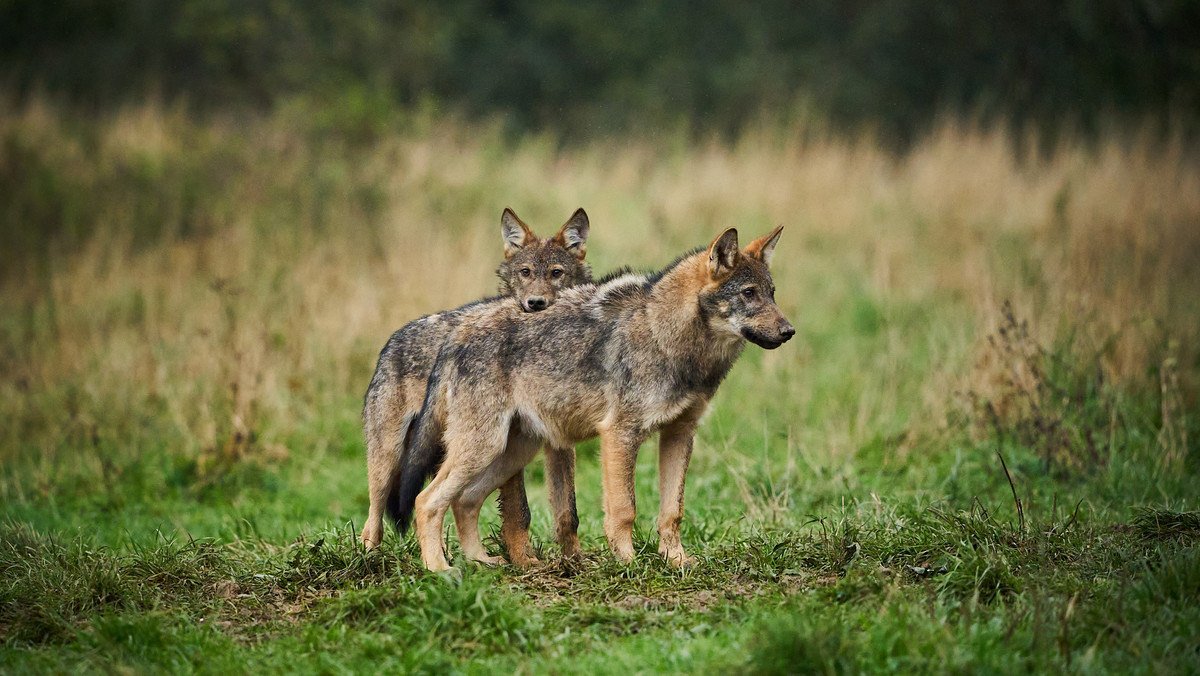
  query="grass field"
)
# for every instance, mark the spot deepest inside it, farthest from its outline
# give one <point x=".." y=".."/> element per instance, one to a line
<point x="978" y="455"/>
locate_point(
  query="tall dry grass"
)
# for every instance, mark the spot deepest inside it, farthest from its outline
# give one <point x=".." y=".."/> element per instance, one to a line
<point x="211" y="286"/>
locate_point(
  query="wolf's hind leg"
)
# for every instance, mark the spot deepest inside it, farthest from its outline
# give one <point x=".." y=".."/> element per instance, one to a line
<point x="505" y="472"/>
<point x="466" y="522"/>
<point x="560" y="483"/>
<point x="469" y="457"/>
<point x="384" y="446"/>
<point x="514" y="520"/>
<point x="429" y="514"/>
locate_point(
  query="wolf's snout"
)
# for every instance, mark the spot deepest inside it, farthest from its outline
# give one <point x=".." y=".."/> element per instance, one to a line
<point x="535" y="303"/>
<point x="786" y="330"/>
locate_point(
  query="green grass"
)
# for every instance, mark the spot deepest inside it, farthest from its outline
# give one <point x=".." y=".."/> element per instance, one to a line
<point x="921" y="565"/>
<point x="919" y="482"/>
<point x="899" y="589"/>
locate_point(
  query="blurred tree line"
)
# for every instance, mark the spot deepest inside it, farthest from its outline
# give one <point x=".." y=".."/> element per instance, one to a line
<point x="594" y="66"/>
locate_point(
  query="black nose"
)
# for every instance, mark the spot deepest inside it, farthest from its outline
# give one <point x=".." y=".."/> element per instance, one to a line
<point x="787" y="331"/>
<point x="535" y="304"/>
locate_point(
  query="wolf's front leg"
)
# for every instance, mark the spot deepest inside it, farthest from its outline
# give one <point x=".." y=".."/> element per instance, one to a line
<point x="674" y="453"/>
<point x="618" y="456"/>
<point x="560" y="480"/>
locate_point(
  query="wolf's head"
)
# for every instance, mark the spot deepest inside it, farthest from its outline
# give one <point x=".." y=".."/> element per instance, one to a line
<point x="535" y="270"/>
<point x="740" y="296"/>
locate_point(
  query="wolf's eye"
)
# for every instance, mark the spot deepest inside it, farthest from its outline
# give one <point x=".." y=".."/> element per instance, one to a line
<point x="748" y="292"/>
<point x="556" y="273"/>
<point x="525" y="272"/>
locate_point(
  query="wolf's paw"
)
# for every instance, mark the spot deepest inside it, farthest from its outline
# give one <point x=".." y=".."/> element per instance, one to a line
<point x="491" y="561"/>
<point x="369" y="539"/>
<point x="678" y="559"/>
<point x="526" y="561"/>
<point x="624" y="554"/>
<point x="451" y="575"/>
<point x="571" y="549"/>
<point x="438" y="565"/>
<point x="683" y="561"/>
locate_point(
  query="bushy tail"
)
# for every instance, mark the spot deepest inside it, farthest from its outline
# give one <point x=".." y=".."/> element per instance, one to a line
<point x="423" y="454"/>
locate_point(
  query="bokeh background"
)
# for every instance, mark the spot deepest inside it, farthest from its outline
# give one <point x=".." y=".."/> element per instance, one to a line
<point x="602" y="67"/>
<point x="213" y="213"/>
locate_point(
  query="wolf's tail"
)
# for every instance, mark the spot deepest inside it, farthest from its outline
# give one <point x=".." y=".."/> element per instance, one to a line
<point x="423" y="455"/>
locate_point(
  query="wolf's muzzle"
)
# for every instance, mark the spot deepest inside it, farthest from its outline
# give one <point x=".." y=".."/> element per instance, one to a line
<point x="769" y="342"/>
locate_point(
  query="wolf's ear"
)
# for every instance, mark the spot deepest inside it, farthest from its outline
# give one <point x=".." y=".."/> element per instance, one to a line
<point x="764" y="246"/>
<point x="722" y="254"/>
<point x="574" y="233"/>
<point x="516" y="234"/>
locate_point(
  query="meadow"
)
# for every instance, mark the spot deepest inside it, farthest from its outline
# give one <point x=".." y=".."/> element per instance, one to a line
<point x="979" y="453"/>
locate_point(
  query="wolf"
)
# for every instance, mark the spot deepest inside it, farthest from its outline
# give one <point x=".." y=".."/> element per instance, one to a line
<point x="532" y="275"/>
<point x="620" y="359"/>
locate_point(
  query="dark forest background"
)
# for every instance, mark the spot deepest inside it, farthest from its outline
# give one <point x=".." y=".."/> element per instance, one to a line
<point x="599" y="67"/>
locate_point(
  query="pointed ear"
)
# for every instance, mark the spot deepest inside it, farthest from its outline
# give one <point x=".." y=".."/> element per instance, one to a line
<point x="764" y="246"/>
<point x="574" y="233"/>
<point x="516" y="234"/>
<point x="722" y="255"/>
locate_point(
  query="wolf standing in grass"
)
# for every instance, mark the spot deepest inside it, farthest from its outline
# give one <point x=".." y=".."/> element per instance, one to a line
<point x="621" y="359"/>
<point x="532" y="275"/>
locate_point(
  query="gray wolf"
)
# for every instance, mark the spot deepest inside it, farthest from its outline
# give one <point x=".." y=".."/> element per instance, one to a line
<point x="621" y="358"/>
<point x="534" y="272"/>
